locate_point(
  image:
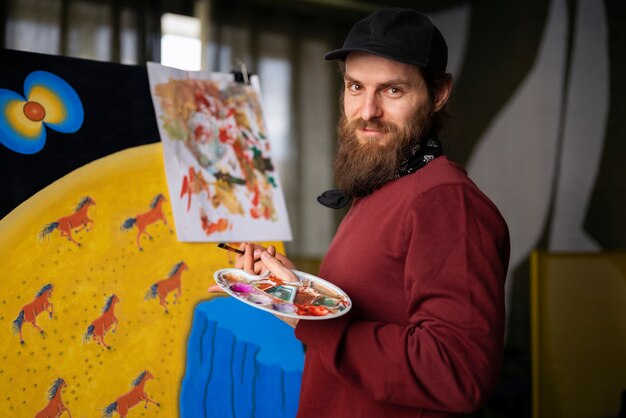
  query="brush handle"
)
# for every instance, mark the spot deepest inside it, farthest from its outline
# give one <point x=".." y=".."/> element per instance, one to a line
<point x="229" y="248"/>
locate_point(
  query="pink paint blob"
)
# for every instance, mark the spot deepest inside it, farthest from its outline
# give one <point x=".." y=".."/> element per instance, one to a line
<point x="241" y="287"/>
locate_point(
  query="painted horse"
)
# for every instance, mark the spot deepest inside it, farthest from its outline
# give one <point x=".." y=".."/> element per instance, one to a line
<point x="132" y="398"/>
<point x="99" y="327"/>
<point x="79" y="219"/>
<point x="30" y="311"/>
<point x="144" y="219"/>
<point x="163" y="287"/>
<point x="55" y="406"/>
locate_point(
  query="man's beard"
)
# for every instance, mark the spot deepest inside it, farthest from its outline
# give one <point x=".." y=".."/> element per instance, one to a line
<point x="360" y="168"/>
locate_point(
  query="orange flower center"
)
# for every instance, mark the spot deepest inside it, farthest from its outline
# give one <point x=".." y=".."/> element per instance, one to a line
<point x="34" y="111"/>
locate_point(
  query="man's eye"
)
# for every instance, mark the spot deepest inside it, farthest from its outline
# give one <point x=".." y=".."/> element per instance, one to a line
<point x="394" y="91"/>
<point x="354" y="87"/>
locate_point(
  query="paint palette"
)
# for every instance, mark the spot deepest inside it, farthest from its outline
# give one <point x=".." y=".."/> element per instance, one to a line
<point x="309" y="298"/>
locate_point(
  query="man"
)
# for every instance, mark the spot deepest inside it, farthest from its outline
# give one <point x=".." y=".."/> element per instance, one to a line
<point x="422" y="252"/>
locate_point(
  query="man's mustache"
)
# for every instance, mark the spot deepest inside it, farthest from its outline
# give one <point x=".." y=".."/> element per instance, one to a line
<point x="373" y="124"/>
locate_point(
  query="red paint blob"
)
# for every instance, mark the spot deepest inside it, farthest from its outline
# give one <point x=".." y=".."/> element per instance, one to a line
<point x="34" y="111"/>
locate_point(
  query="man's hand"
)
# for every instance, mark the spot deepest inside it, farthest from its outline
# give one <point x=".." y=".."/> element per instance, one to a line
<point x="215" y="289"/>
<point x="251" y="261"/>
<point x="274" y="265"/>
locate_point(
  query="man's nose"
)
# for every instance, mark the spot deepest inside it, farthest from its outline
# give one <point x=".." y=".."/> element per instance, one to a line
<point x="371" y="107"/>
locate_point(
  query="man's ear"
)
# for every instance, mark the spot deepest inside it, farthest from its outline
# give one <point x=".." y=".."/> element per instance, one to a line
<point x="442" y="95"/>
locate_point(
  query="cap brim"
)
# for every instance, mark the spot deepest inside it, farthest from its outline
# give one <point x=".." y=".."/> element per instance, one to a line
<point x="337" y="54"/>
<point x="340" y="54"/>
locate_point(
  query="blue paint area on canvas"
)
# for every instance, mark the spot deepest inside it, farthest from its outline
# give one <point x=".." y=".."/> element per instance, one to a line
<point x="241" y="362"/>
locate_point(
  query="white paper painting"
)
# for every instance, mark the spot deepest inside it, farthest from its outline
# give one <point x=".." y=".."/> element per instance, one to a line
<point x="222" y="183"/>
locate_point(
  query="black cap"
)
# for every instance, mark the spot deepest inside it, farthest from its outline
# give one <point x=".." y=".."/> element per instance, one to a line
<point x="403" y="35"/>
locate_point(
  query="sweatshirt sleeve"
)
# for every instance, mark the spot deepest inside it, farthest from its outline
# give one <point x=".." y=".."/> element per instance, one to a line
<point x="448" y="356"/>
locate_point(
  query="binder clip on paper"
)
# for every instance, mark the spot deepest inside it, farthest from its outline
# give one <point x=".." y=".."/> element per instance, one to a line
<point x="243" y="75"/>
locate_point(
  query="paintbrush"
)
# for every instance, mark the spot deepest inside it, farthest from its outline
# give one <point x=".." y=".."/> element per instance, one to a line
<point x="229" y="248"/>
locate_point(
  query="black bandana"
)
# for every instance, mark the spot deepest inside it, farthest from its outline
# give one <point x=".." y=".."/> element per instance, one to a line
<point x="420" y="155"/>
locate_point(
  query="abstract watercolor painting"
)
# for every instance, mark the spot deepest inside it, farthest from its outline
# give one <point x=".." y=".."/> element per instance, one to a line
<point x="220" y="175"/>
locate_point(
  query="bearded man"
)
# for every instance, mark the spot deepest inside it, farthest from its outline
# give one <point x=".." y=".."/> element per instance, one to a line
<point x="422" y="252"/>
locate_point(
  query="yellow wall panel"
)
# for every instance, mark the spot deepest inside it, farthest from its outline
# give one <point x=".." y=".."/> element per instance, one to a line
<point x="578" y="323"/>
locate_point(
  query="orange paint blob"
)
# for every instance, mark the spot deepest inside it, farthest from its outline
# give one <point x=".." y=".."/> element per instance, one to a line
<point x="34" y="111"/>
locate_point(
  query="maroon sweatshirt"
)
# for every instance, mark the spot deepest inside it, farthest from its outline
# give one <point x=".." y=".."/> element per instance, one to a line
<point x="424" y="259"/>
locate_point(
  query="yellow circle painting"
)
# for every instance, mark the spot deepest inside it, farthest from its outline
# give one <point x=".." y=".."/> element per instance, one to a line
<point x="97" y="295"/>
